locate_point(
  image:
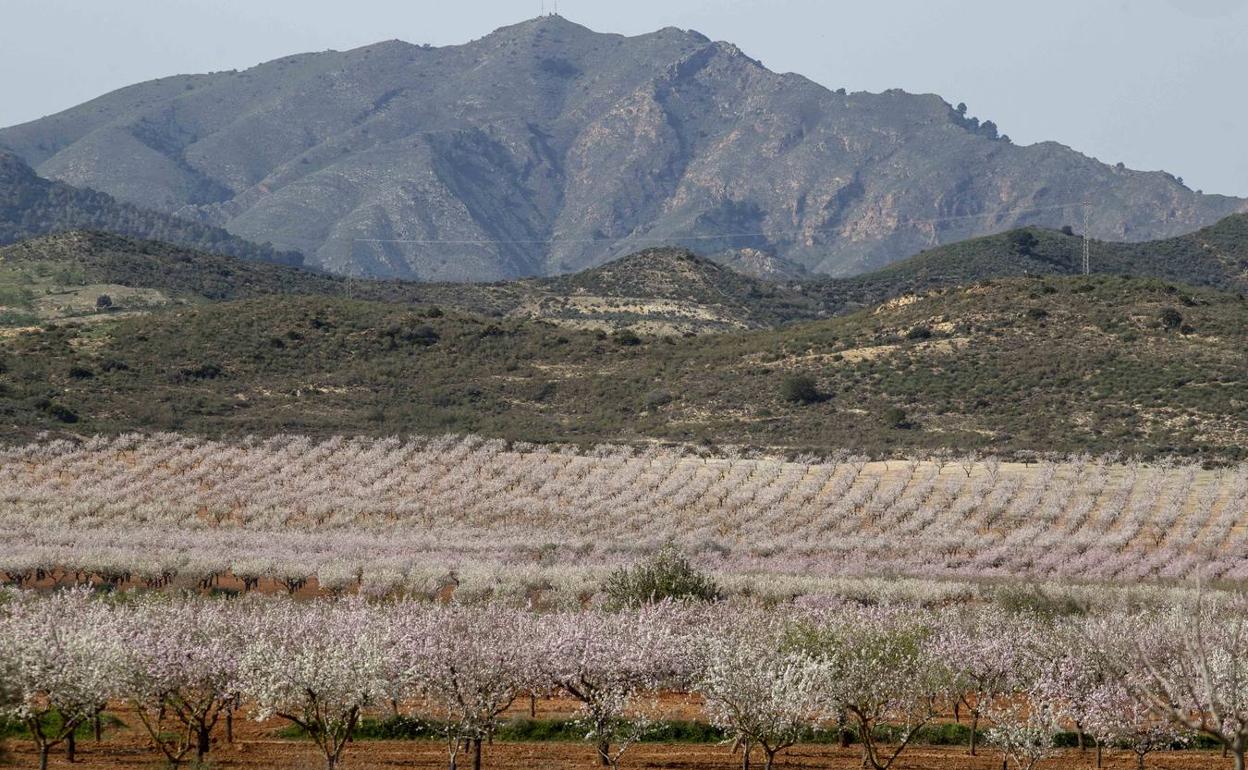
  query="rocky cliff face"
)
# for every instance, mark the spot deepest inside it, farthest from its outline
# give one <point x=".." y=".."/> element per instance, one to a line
<point x="546" y="148"/>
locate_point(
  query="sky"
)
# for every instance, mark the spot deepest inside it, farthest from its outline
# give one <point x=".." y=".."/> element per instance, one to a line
<point x="1156" y="84"/>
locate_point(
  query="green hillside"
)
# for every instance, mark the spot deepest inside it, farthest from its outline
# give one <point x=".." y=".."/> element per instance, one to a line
<point x="1215" y="256"/>
<point x="1114" y="364"/>
<point x="659" y="291"/>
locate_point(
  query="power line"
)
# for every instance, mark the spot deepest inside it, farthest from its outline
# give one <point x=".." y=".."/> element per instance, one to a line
<point x="721" y="236"/>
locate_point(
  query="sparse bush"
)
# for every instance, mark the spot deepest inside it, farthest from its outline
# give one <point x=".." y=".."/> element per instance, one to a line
<point x="55" y="411"/>
<point x="626" y="337"/>
<point x="658" y="398"/>
<point x="1171" y="319"/>
<point x="920" y="332"/>
<point x="666" y="575"/>
<point x="204" y="371"/>
<point x="895" y="417"/>
<point x="103" y="302"/>
<point x="408" y="331"/>
<point x="800" y="389"/>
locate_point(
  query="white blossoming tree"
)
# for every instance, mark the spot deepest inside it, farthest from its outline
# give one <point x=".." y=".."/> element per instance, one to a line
<point x="761" y="692"/>
<point x="317" y="665"/>
<point x="66" y="660"/>
<point x="465" y="668"/>
<point x="182" y="672"/>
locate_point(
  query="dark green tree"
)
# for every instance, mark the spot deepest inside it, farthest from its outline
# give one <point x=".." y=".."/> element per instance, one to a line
<point x="800" y="389"/>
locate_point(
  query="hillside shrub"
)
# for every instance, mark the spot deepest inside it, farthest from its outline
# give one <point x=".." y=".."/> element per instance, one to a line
<point x="626" y="337"/>
<point x="801" y="389"/>
<point x="658" y="398"/>
<point x="667" y="575"/>
<point x="895" y="417"/>
<point x="1023" y="242"/>
<point x="1171" y="319"/>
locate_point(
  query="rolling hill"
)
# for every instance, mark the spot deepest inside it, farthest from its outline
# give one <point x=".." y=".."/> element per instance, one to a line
<point x="659" y="291"/>
<point x="546" y="148"/>
<point x="654" y="292"/>
<point x="1139" y="366"/>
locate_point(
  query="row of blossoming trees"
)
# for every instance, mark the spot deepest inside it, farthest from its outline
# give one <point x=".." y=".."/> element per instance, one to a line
<point x="770" y="678"/>
<point x="384" y="516"/>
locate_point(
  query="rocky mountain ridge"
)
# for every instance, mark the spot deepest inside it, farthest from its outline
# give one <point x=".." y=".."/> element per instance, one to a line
<point x="546" y="148"/>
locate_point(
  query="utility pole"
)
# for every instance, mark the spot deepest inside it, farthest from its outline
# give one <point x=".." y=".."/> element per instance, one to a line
<point x="1087" y="244"/>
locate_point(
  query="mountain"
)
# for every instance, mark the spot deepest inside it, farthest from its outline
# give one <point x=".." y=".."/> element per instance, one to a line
<point x="545" y="148"/>
<point x="1140" y="366"/>
<point x="31" y="206"/>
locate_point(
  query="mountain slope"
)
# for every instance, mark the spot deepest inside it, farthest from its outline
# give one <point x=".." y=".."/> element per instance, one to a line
<point x="546" y="148"/>
<point x="1114" y="364"/>
<point x="31" y="206"/>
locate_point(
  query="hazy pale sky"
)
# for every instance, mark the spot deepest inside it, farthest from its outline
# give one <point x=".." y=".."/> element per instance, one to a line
<point x="1156" y="84"/>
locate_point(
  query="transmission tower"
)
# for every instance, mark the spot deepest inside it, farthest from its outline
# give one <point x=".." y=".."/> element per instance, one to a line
<point x="1087" y="245"/>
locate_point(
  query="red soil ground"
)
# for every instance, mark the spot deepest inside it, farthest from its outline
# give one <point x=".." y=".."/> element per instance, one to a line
<point x="257" y="747"/>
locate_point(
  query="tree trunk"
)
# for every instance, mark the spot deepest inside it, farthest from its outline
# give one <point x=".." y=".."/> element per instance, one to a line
<point x="1079" y="737"/>
<point x="476" y="754"/>
<point x="532" y="706"/>
<point x="604" y="753"/>
<point x="745" y="755"/>
<point x="201" y="743"/>
<point x="1239" y="759"/>
<point x="97" y="725"/>
<point x="1098" y="755"/>
<point x="71" y="748"/>
<point x="769" y="758"/>
<point x="1139" y="761"/>
<point x="229" y="725"/>
<point x="43" y="756"/>
<point x="974" y="729"/>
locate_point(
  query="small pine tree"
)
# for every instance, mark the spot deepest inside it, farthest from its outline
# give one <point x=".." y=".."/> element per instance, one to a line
<point x="800" y="389"/>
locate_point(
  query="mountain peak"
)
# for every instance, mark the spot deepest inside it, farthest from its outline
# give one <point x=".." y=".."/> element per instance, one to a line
<point x="548" y="23"/>
<point x="541" y="147"/>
